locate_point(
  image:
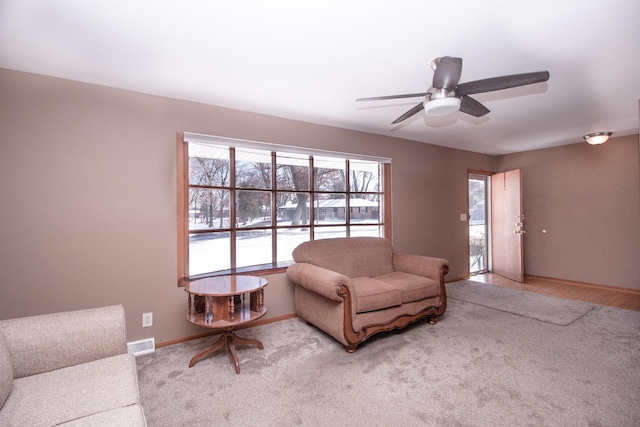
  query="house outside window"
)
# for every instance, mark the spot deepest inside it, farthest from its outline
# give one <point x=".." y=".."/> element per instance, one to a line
<point x="243" y="206"/>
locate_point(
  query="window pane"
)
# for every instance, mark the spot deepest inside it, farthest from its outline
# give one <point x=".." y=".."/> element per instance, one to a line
<point x="288" y="240"/>
<point x="209" y="252"/>
<point x="208" y="208"/>
<point x="292" y="172"/>
<point x="253" y="208"/>
<point x="293" y="208"/>
<point x="329" y="232"/>
<point x="364" y="176"/>
<point x="253" y="248"/>
<point x="253" y="169"/>
<point x="208" y="165"/>
<point x="477" y="224"/>
<point x="329" y="208"/>
<point x="329" y="174"/>
<point x="367" y="231"/>
<point x="365" y="208"/>
<point x="262" y="174"/>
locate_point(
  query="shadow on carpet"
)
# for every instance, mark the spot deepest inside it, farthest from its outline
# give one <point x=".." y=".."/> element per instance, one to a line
<point x="558" y="311"/>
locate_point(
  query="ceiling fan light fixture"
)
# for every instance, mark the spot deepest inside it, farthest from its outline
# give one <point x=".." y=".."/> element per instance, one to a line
<point x="597" y="138"/>
<point x="447" y="95"/>
<point x="441" y="106"/>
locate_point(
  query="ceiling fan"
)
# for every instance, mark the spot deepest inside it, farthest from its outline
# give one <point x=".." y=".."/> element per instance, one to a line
<point x="446" y="96"/>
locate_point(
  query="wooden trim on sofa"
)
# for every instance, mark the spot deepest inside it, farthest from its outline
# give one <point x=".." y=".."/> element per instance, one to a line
<point x="443" y="292"/>
<point x="355" y="338"/>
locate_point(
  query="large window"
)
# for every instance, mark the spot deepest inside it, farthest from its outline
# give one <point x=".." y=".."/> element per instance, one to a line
<point x="244" y="206"/>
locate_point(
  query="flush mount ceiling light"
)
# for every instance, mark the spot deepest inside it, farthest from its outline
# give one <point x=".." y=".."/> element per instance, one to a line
<point x="597" y="138"/>
<point x="441" y="106"/>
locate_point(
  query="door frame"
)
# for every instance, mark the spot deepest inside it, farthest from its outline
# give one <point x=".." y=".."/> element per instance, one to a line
<point x="487" y="209"/>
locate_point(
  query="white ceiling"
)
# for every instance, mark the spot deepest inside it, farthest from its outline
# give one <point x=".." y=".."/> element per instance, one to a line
<point x="309" y="60"/>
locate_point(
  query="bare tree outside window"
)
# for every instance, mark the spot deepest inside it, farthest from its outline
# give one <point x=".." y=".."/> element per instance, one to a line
<point x="248" y="208"/>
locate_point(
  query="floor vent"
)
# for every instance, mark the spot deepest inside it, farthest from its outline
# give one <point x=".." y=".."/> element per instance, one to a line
<point x="142" y="347"/>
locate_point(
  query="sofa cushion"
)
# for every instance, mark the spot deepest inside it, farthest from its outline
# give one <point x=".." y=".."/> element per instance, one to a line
<point x="57" y="340"/>
<point x="6" y="371"/>
<point x="353" y="257"/>
<point x="372" y="294"/>
<point x="71" y="393"/>
<point x="414" y="288"/>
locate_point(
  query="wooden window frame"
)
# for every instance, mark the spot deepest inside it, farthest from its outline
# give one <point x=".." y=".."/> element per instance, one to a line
<point x="183" y="232"/>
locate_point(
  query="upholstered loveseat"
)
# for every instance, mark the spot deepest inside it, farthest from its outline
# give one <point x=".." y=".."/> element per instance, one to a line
<point x="68" y="369"/>
<point x="352" y="288"/>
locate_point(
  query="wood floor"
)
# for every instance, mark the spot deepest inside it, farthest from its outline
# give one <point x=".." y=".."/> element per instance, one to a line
<point x="614" y="297"/>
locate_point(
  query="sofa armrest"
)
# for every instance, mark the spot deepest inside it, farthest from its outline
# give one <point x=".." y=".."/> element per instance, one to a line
<point x="317" y="279"/>
<point x="52" y="341"/>
<point x="433" y="268"/>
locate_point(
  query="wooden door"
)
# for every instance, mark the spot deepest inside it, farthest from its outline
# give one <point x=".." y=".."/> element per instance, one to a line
<point x="507" y="222"/>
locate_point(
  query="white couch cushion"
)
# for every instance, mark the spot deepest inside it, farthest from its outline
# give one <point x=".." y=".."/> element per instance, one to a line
<point x="71" y="393"/>
<point x="6" y="371"/>
<point x="52" y="341"/>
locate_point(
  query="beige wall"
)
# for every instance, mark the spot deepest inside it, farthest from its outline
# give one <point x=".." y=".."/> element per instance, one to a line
<point x="88" y="200"/>
<point x="588" y="201"/>
<point x="88" y="197"/>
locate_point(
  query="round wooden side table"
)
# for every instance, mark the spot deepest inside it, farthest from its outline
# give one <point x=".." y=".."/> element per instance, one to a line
<point x="226" y="303"/>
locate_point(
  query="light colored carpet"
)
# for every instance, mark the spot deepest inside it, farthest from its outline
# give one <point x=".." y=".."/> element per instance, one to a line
<point x="559" y="311"/>
<point x="478" y="366"/>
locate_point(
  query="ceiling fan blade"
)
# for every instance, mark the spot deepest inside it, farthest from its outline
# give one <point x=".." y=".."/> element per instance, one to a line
<point x="409" y="113"/>
<point x="379" y="98"/>
<point x="448" y="71"/>
<point x="473" y="107"/>
<point x="503" y="82"/>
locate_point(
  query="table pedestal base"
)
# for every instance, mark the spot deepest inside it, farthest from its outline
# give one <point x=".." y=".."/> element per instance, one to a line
<point x="229" y="339"/>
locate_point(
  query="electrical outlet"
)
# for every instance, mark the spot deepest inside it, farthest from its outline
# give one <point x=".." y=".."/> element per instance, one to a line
<point x="147" y="320"/>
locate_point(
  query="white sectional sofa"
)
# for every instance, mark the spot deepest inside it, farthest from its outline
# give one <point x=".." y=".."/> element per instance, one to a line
<point x="68" y="369"/>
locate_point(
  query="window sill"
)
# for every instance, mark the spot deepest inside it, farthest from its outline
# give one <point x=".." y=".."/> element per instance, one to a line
<point x="246" y="271"/>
